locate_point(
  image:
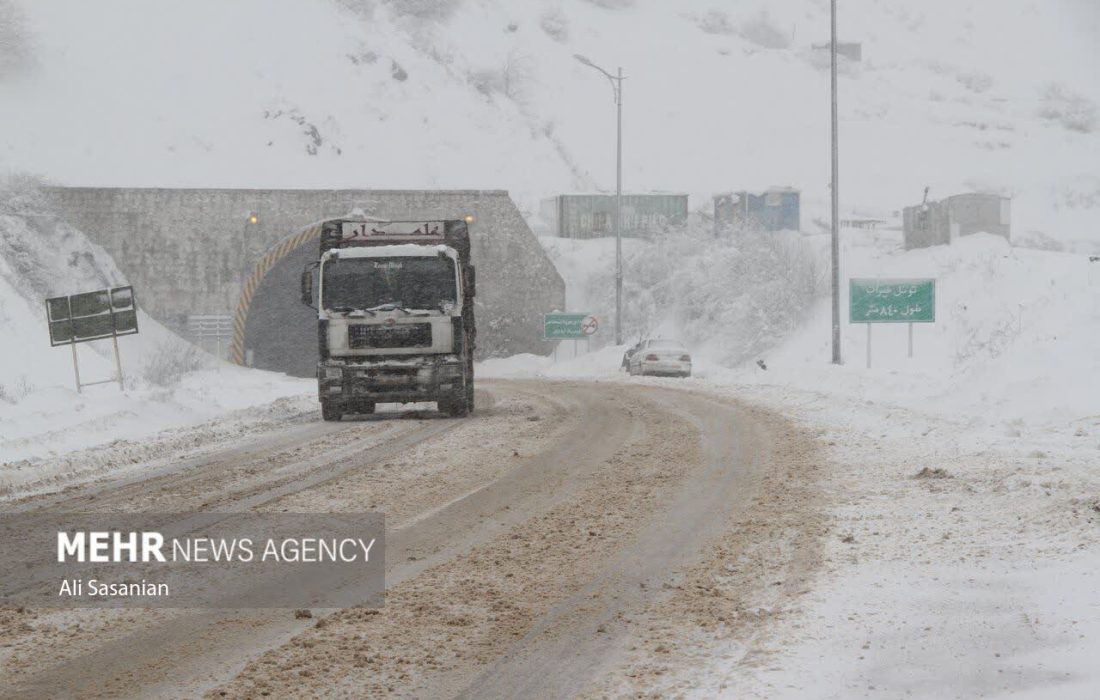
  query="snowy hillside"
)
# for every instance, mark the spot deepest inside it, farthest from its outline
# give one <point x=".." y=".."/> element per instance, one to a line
<point x="1015" y="339"/>
<point x="979" y="94"/>
<point x="960" y="546"/>
<point x="167" y="382"/>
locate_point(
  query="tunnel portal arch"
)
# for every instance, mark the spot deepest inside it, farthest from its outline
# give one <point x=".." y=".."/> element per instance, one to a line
<point x="189" y="252"/>
<point x="277" y="257"/>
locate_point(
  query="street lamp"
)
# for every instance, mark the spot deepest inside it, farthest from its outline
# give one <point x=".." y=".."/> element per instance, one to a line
<point x="834" y="192"/>
<point x="617" y="86"/>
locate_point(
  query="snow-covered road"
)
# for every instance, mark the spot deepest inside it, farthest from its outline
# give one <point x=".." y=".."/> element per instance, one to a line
<point x="525" y="547"/>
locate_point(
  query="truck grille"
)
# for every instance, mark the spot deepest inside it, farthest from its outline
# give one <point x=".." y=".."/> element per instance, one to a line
<point x="402" y="335"/>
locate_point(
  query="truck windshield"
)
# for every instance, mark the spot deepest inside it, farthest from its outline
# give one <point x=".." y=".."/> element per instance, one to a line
<point x="408" y="282"/>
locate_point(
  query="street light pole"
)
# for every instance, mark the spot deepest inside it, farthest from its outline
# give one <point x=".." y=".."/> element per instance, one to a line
<point x="617" y="86"/>
<point x="619" y="211"/>
<point x="835" y="195"/>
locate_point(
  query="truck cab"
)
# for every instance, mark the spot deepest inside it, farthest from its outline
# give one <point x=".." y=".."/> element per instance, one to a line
<point x="395" y="315"/>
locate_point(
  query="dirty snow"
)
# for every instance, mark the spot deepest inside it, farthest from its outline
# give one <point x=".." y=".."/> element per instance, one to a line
<point x="963" y="495"/>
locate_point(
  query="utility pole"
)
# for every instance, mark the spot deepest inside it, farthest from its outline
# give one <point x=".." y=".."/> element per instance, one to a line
<point x="617" y="87"/>
<point x="835" y="195"/>
<point x="619" y="211"/>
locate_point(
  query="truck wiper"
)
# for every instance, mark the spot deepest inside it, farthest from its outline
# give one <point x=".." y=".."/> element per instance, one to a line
<point x="389" y="307"/>
<point x="410" y="313"/>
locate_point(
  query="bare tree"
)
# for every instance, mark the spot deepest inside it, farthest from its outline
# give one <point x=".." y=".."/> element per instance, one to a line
<point x="511" y="79"/>
<point x="15" y="46"/>
<point x="741" y="295"/>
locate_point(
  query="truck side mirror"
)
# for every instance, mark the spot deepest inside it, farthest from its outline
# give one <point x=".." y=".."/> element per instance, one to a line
<point x="473" y="284"/>
<point x="307" y="285"/>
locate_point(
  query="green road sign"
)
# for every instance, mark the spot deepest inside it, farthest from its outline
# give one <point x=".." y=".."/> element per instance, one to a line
<point x="891" y="301"/>
<point x="91" y="316"/>
<point x="557" y="326"/>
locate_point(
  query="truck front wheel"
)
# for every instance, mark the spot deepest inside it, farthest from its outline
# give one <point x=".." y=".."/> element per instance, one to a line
<point x="331" y="410"/>
<point x="455" y="407"/>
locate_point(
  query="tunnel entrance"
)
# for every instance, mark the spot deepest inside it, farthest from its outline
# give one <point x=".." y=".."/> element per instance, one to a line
<point x="189" y="267"/>
<point x="281" y="332"/>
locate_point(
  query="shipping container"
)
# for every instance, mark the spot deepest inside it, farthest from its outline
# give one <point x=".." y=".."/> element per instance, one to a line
<point x="777" y="209"/>
<point x="939" y="223"/>
<point x="593" y="215"/>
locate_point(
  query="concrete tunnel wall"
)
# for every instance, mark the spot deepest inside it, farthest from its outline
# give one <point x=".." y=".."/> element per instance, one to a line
<point x="188" y="251"/>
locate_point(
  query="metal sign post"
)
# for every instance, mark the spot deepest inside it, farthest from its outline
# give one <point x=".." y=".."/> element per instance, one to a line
<point x="76" y="369"/>
<point x="868" y="346"/>
<point x="118" y="361"/>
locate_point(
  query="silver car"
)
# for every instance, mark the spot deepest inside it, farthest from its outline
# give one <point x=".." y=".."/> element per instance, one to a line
<point x="661" y="357"/>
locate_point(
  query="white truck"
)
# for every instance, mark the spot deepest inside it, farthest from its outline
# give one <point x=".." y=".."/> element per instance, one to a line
<point x="395" y="310"/>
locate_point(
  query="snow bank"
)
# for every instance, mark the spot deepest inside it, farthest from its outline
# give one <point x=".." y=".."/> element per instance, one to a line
<point x="1015" y="338"/>
<point x="167" y="382"/>
<point x="584" y="364"/>
<point x="959" y="545"/>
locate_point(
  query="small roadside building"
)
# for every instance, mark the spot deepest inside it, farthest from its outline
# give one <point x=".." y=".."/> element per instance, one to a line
<point x="939" y="223"/>
<point x="593" y="215"/>
<point x="776" y="209"/>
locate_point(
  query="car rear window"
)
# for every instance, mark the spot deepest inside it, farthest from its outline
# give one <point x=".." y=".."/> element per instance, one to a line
<point x="665" y="345"/>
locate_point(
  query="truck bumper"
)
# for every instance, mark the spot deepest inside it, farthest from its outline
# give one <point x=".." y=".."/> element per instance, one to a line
<point x="398" y="381"/>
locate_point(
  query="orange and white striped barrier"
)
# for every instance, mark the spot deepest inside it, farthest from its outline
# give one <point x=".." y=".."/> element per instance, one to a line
<point x="259" y="271"/>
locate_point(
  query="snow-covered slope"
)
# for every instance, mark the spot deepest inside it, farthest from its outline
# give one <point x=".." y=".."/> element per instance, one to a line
<point x="257" y="93"/>
<point x="954" y="95"/>
<point x="42" y="257"/>
<point x="167" y="383"/>
<point x="959" y="545"/>
<point x="1015" y="338"/>
<point x="1014" y="343"/>
<point x="486" y="93"/>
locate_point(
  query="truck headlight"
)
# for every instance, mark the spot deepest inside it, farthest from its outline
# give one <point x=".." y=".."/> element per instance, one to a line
<point x="334" y="372"/>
